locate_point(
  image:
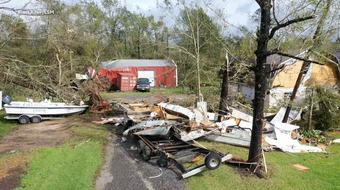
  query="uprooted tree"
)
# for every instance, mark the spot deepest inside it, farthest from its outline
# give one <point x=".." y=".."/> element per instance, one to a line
<point x="262" y="70"/>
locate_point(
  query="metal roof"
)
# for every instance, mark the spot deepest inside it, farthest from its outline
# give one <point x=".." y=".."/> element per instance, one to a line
<point x="137" y="63"/>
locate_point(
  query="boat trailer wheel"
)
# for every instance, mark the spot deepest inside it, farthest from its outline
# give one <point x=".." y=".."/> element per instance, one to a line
<point x="35" y="119"/>
<point x="140" y="146"/>
<point x="212" y="161"/>
<point x="146" y="153"/>
<point x="163" y="161"/>
<point x="24" y="119"/>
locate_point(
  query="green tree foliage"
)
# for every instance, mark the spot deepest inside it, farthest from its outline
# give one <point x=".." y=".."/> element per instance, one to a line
<point x="326" y="114"/>
<point x="198" y="40"/>
<point x="45" y="58"/>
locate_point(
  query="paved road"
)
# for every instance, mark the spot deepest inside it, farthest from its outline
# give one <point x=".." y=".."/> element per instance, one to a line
<point x="124" y="170"/>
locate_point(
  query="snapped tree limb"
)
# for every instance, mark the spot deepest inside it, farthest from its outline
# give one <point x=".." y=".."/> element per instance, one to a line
<point x="292" y="56"/>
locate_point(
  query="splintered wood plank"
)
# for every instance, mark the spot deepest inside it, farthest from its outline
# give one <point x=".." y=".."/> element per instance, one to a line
<point x="301" y="167"/>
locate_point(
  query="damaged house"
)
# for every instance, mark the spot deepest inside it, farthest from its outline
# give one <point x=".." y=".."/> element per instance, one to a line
<point x="283" y="80"/>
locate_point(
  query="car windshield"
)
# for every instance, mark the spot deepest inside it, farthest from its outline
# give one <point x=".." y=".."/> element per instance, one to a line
<point x="143" y="81"/>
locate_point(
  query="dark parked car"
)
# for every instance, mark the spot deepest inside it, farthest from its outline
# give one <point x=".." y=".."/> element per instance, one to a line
<point x="143" y="84"/>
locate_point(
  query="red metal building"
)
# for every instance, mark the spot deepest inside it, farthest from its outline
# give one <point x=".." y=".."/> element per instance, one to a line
<point x="161" y="73"/>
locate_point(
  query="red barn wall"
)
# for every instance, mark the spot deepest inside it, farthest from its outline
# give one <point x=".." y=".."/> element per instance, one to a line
<point x="164" y="76"/>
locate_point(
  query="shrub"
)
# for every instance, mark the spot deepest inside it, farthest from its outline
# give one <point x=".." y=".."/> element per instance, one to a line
<point x="326" y="113"/>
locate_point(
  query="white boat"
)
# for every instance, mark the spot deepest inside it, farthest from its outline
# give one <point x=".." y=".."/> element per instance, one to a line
<point x="34" y="112"/>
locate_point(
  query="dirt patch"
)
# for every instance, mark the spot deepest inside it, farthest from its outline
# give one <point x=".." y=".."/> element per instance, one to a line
<point x="16" y="146"/>
<point x="28" y="137"/>
<point x="11" y="169"/>
<point x="24" y="139"/>
<point x="12" y="180"/>
<point x="181" y="99"/>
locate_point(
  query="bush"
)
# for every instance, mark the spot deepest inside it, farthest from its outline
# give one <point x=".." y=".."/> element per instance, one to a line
<point x="326" y="112"/>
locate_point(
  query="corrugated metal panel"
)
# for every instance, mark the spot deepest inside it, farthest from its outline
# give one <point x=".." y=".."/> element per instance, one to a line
<point x="137" y="63"/>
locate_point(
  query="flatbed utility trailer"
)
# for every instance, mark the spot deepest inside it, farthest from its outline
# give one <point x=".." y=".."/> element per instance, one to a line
<point x="172" y="150"/>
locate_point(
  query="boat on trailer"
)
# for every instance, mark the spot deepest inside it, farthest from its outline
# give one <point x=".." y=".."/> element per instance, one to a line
<point x="26" y="112"/>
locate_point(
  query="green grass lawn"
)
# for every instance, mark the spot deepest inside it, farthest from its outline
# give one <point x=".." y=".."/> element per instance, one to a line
<point x="70" y="166"/>
<point x="6" y="126"/>
<point x="324" y="172"/>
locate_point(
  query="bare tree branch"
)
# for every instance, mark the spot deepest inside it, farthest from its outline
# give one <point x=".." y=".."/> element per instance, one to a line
<point x="293" y="56"/>
<point x="4" y="2"/>
<point x="289" y="22"/>
<point x="324" y="57"/>
<point x="9" y="9"/>
<point x="184" y="50"/>
<point x="277" y="68"/>
<point x="274" y="14"/>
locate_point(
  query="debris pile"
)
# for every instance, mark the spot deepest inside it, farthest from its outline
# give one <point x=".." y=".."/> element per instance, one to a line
<point x="168" y="133"/>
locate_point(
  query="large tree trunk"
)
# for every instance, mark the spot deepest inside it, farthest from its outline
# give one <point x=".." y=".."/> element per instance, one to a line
<point x="223" y="107"/>
<point x="138" y="49"/>
<point x="261" y="82"/>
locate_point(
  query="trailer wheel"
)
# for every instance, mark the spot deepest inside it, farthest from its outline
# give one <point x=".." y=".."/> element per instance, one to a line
<point x="24" y="119"/>
<point x="36" y="119"/>
<point x="140" y="146"/>
<point x="163" y="161"/>
<point x="212" y="161"/>
<point x="146" y="153"/>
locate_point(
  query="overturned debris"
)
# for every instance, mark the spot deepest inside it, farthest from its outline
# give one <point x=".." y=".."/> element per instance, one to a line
<point x="155" y="131"/>
<point x="293" y="115"/>
<point x="235" y="130"/>
<point x="172" y="141"/>
<point x="235" y="136"/>
<point x="284" y="141"/>
<point x="167" y="133"/>
<point x="111" y="120"/>
<point x="178" y="110"/>
<point x="147" y="124"/>
<point x="192" y="135"/>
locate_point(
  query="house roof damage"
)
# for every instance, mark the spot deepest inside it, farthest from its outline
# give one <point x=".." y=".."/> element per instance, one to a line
<point x="327" y="74"/>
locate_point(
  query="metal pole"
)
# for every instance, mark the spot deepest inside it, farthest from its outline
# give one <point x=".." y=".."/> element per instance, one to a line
<point x="200" y="96"/>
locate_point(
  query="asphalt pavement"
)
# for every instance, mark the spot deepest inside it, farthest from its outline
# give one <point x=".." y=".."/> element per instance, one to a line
<point x="124" y="170"/>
